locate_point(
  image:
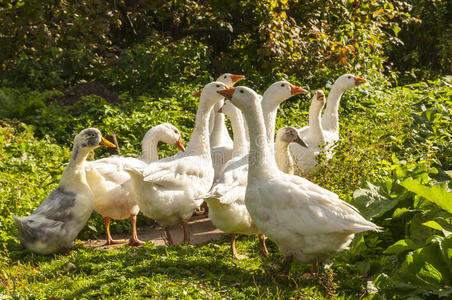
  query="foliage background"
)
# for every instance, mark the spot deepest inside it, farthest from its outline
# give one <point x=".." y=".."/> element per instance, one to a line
<point x="125" y="66"/>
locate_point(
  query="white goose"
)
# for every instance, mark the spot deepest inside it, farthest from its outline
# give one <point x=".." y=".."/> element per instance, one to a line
<point x="220" y="142"/>
<point x="55" y="224"/>
<point x="113" y="192"/>
<point x="285" y="136"/>
<point x="169" y="190"/>
<point x="330" y="120"/>
<point x="307" y="222"/>
<point x="305" y="157"/>
<point x="226" y="198"/>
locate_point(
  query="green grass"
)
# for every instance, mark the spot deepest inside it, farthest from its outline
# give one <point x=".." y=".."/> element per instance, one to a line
<point x="205" y="271"/>
<point x="388" y="135"/>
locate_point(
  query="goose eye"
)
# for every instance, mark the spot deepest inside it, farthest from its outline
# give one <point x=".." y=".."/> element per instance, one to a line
<point x="283" y="85"/>
<point x="241" y="91"/>
<point x="349" y="77"/>
<point x="175" y="131"/>
<point x="218" y="85"/>
<point x="225" y="76"/>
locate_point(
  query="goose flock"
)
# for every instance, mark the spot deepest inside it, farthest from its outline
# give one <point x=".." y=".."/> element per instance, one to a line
<point x="253" y="184"/>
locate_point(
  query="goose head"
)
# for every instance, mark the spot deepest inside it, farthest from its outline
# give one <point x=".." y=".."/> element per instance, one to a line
<point x="319" y="98"/>
<point x="169" y="134"/>
<point x="227" y="78"/>
<point x="289" y="135"/>
<point x="282" y="90"/>
<point x="210" y="95"/>
<point x="230" y="79"/>
<point x="91" y="138"/>
<point x="242" y="97"/>
<point x="348" y="81"/>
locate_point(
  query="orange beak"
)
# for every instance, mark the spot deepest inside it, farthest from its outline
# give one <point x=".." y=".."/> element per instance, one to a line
<point x="320" y="95"/>
<point x="295" y="90"/>
<point x="359" y="80"/>
<point x="236" y="78"/>
<point x="106" y="143"/>
<point x="179" y="144"/>
<point x="197" y="94"/>
<point x="227" y="93"/>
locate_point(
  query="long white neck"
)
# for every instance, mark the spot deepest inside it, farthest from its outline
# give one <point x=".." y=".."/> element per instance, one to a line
<point x="220" y="135"/>
<point x="238" y="130"/>
<point x="211" y="120"/>
<point x="261" y="160"/>
<point x="283" y="157"/>
<point x="247" y="132"/>
<point x="315" y="133"/>
<point x="330" y="118"/>
<point x="199" y="140"/>
<point x="74" y="174"/>
<point x="149" y="146"/>
<point x="269" y="109"/>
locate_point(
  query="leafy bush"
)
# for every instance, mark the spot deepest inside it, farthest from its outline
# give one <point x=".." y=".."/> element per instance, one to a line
<point x="416" y="212"/>
<point x="146" y="68"/>
<point x="426" y="51"/>
<point x="17" y="104"/>
<point x="138" y="45"/>
<point x="413" y="202"/>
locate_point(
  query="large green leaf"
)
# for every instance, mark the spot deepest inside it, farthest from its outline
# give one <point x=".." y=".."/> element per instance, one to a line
<point x="434" y="193"/>
<point x="372" y="202"/>
<point x="430" y="275"/>
<point x="440" y="224"/>
<point x="401" y="246"/>
<point x="445" y="246"/>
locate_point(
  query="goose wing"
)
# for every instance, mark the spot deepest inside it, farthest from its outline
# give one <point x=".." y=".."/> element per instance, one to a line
<point x="307" y="210"/>
<point x="231" y="186"/>
<point x="190" y="172"/>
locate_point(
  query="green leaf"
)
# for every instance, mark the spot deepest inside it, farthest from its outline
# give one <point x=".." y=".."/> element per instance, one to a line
<point x="401" y="246"/>
<point x="92" y="227"/>
<point x="430" y="275"/>
<point x="400" y="211"/>
<point x="445" y="246"/>
<point x="371" y="202"/>
<point x="435" y="225"/>
<point x="434" y="193"/>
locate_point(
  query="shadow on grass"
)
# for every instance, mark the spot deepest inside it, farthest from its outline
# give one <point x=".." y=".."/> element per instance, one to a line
<point x="165" y="271"/>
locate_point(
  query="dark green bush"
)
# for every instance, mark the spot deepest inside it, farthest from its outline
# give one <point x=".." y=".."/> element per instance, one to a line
<point x="139" y="45"/>
<point x="426" y="51"/>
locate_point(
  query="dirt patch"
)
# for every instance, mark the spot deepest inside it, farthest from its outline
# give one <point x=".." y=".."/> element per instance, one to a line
<point x="201" y="231"/>
<point x="74" y="94"/>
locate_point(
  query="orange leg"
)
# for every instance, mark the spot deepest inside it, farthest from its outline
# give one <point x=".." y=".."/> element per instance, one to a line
<point x="110" y="241"/>
<point x="233" y="250"/>
<point x="186" y="232"/>
<point x="134" y="241"/>
<point x="263" y="246"/>
<point x="168" y="236"/>
<point x="315" y="268"/>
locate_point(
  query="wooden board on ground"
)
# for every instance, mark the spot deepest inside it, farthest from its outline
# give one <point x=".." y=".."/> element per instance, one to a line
<point x="201" y="231"/>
